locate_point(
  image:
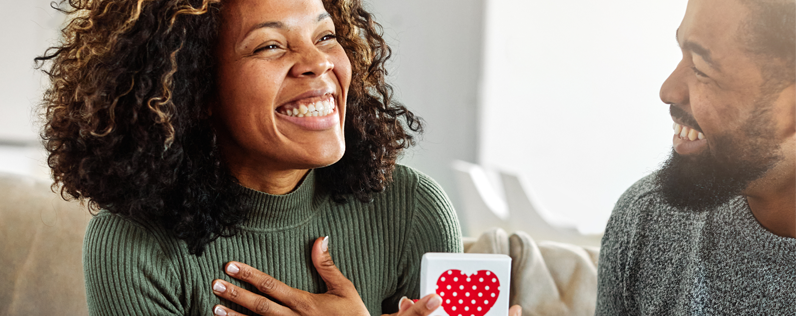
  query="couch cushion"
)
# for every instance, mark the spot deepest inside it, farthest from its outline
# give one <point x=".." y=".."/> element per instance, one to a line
<point x="41" y="238"/>
<point x="552" y="278"/>
<point x="493" y="241"/>
<point x="549" y="278"/>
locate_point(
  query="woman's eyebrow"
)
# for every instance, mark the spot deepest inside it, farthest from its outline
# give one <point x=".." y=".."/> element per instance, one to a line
<point x="280" y="25"/>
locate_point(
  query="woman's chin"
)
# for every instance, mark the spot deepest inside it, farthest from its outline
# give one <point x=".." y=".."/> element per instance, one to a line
<point x="324" y="157"/>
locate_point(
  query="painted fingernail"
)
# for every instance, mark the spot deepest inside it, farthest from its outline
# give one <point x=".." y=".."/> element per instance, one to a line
<point x="404" y="304"/>
<point x="232" y="269"/>
<point x="220" y="288"/>
<point x="219" y="311"/>
<point x="434" y="302"/>
<point x="325" y="244"/>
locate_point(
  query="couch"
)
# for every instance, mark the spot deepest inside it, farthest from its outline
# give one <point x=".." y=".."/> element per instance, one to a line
<point x="41" y="241"/>
<point x="41" y="237"/>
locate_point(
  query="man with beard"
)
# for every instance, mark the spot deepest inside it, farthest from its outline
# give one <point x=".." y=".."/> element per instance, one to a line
<point x="714" y="231"/>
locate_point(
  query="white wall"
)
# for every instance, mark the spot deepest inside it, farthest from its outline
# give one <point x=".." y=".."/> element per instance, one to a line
<point x="27" y="29"/>
<point x="570" y="97"/>
<point x="437" y="46"/>
<point x="563" y="92"/>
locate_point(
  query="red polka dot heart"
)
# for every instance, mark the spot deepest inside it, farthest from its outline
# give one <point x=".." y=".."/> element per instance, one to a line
<point x="464" y="295"/>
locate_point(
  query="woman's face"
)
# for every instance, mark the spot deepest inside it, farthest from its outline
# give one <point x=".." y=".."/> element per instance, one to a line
<point x="282" y="86"/>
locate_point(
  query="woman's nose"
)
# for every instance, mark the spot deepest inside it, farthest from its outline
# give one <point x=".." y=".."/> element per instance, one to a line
<point x="311" y="62"/>
<point x="675" y="89"/>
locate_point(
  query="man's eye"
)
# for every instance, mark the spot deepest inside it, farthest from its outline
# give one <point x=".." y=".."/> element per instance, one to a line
<point x="699" y="73"/>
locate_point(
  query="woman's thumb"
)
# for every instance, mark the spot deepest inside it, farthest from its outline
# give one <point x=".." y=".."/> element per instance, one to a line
<point x="336" y="282"/>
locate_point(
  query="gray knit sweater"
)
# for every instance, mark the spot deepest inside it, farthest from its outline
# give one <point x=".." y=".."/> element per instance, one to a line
<point x="658" y="260"/>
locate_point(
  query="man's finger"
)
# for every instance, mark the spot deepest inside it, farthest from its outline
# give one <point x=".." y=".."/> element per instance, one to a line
<point x="336" y="282"/>
<point x="249" y="300"/>
<point x="424" y="306"/>
<point x="265" y="283"/>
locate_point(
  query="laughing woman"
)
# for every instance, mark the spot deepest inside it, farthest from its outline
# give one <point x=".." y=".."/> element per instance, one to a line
<point x="220" y="141"/>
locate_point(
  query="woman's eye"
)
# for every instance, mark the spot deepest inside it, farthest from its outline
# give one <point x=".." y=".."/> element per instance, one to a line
<point x="264" y="48"/>
<point x="699" y="73"/>
<point x="327" y="37"/>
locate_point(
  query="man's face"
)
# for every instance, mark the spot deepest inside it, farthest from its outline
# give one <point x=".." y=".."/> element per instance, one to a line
<point x="728" y="125"/>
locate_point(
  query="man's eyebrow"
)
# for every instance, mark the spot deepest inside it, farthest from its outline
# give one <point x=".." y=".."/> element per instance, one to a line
<point x="699" y="50"/>
<point x="280" y="25"/>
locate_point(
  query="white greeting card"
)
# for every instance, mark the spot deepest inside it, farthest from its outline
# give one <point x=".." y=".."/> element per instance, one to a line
<point x="469" y="284"/>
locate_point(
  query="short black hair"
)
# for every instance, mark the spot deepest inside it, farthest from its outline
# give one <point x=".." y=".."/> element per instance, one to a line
<point x="770" y="33"/>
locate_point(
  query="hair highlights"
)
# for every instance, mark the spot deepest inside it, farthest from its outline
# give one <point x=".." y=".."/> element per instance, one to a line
<point x="127" y="124"/>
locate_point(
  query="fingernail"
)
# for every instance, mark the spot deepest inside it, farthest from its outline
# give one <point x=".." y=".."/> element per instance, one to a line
<point x="232" y="269"/>
<point x="403" y="303"/>
<point x="218" y="287"/>
<point x="325" y="244"/>
<point x="219" y="311"/>
<point x="434" y="302"/>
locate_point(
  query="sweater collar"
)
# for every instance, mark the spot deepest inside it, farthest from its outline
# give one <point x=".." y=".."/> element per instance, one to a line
<point x="274" y="212"/>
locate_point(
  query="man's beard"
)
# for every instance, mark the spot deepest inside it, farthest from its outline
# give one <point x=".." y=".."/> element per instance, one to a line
<point x="703" y="181"/>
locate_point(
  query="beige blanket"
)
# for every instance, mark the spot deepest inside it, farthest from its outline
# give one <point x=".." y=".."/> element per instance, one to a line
<point x="547" y="278"/>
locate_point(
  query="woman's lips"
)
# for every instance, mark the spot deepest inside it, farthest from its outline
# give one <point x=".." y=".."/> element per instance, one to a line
<point x="688" y="140"/>
<point x="310" y="107"/>
<point x="314" y="114"/>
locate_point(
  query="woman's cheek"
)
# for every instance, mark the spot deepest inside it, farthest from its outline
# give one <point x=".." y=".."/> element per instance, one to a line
<point x="342" y="67"/>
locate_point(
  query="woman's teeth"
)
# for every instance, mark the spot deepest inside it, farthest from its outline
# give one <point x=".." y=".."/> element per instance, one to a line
<point x="687" y="133"/>
<point x="318" y="108"/>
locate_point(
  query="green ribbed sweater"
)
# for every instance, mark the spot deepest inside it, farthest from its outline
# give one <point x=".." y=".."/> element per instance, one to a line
<point x="135" y="268"/>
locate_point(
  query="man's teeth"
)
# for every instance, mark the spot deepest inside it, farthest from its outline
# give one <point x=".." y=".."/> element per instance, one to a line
<point x="319" y="108"/>
<point x="688" y="133"/>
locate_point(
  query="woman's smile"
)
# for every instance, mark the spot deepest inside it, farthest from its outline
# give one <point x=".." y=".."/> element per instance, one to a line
<point x="283" y="81"/>
<point x="315" y="113"/>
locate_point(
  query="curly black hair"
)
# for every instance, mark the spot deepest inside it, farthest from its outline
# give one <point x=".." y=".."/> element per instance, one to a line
<point x="127" y="125"/>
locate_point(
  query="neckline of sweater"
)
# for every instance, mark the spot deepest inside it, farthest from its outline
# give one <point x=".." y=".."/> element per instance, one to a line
<point x="278" y="212"/>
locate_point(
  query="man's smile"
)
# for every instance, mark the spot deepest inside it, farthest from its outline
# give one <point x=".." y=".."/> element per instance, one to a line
<point x="688" y="140"/>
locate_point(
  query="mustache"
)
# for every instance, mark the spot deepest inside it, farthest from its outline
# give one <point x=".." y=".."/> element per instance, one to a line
<point x="684" y="117"/>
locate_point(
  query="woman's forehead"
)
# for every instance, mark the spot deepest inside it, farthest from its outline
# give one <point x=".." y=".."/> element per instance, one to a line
<point x="276" y="10"/>
<point x="242" y="17"/>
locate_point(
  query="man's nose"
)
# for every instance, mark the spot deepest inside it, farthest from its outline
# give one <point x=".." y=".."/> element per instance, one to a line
<point x="675" y="89"/>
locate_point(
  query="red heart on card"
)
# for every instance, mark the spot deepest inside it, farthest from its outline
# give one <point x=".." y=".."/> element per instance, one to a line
<point x="464" y="295"/>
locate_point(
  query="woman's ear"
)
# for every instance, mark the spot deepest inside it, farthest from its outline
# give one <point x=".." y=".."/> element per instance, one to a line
<point x="211" y="105"/>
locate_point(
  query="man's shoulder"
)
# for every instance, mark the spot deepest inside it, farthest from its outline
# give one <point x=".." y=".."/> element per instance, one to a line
<point x="642" y="196"/>
<point x="643" y="190"/>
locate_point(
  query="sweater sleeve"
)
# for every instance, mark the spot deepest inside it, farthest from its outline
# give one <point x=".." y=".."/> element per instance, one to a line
<point x="616" y="252"/>
<point x="126" y="270"/>
<point x="433" y="228"/>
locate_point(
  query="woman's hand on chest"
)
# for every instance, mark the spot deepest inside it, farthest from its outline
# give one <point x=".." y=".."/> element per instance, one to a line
<point x="341" y="298"/>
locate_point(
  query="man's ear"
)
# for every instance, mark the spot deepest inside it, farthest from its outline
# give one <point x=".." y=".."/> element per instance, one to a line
<point x="785" y="106"/>
<point x="790" y="98"/>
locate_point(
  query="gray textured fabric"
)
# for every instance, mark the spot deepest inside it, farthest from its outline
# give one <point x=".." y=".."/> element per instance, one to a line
<point x="657" y="260"/>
